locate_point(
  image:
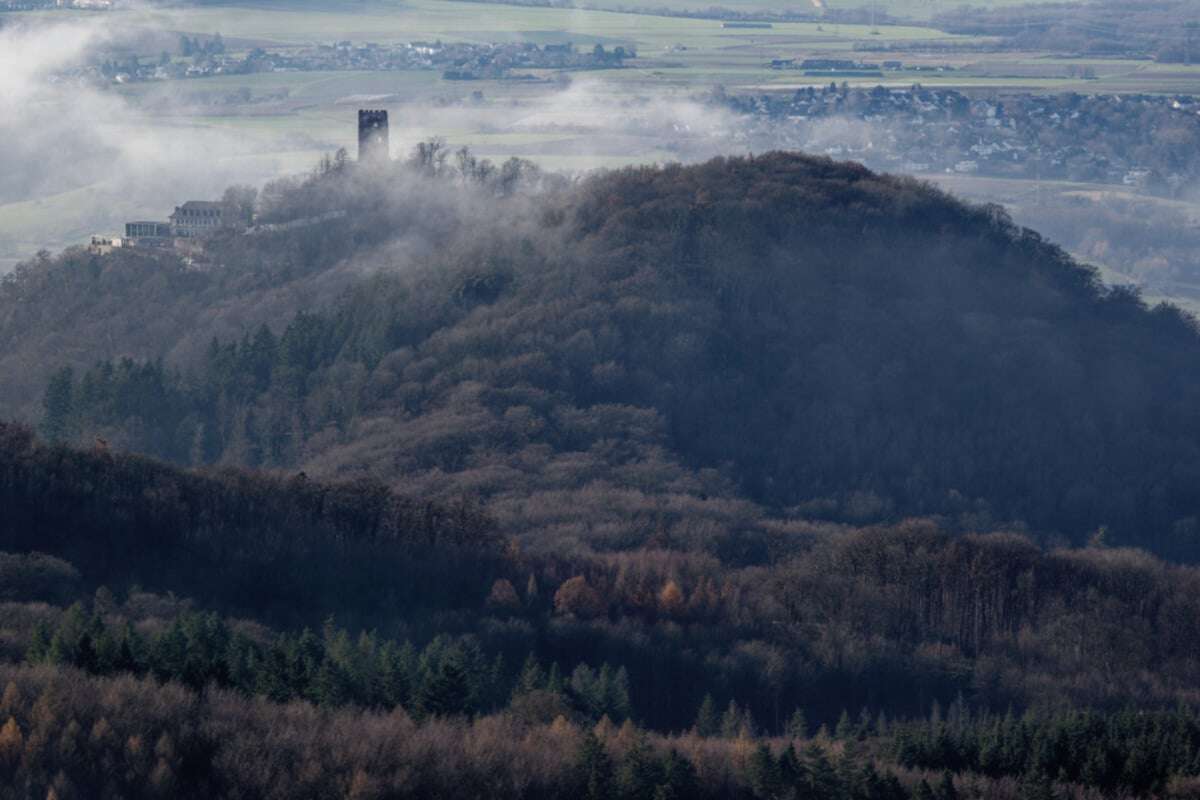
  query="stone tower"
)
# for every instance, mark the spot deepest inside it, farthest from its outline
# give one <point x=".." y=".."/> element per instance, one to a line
<point x="372" y="135"/>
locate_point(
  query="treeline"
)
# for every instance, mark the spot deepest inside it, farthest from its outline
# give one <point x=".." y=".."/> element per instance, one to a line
<point x="1164" y="30"/>
<point x="249" y="402"/>
<point x="449" y="676"/>
<point x="842" y="639"/>
<point x="247" y="541"/>
<point x="888" y="618"/>
<point x="214" y="45"/>
<point x="1134" y="750"/>
<point x="108" y="737"/>
<point x="75" y="735"/>
<point x="1145" y="242"/>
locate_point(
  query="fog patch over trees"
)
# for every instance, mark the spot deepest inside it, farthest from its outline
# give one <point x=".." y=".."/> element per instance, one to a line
<point x="62" y="135"/>
<point x="138" y="158"/>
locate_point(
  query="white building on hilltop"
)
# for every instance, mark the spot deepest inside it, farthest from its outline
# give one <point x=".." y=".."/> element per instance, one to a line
<point x="197" y="217"/>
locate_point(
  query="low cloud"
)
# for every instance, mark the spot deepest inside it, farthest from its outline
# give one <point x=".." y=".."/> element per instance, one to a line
<point x="82" y="158"/>
<point x="85" y="155"/>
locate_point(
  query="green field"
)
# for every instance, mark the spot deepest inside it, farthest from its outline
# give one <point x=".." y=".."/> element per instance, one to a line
<point x="901" y="9"/>
<point x="486" y="22"/>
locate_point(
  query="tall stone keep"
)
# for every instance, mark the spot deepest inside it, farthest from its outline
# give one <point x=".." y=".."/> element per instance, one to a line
<point x="372" y="135"/>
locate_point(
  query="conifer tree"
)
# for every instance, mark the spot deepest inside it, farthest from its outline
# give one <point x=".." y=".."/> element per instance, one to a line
<point x="594" y="769"/>
<point x="603" y="692"/>
<point x="865" y="725"/>
<point x="58" y="420"/>
<point x="589" y="690"/>
<point x="554" y="680"/>
<point x="946" y="790"/>
<point x="331" y="685"/>
<point x="822" y="779"/>
<point x="272" y="674"/>
<point x="707" y="722"/>
<point x="108" y="651"/>
<point x="678" y="778"/>
<point x="1037" y="786"/>
<point x="496" y="680"/>
<point x="797" y="725"/>
<point x="531" y="678"/>
<point x="638" y="774"/>
<point x="617" y="702"/>
<point x="443" y="690"/>
<point x="762" y="772"/>
<point x="844" y="729"/>
<point x="731" y="721"/>
<point x="39" y="644"/>
<point x="791" y="770"/>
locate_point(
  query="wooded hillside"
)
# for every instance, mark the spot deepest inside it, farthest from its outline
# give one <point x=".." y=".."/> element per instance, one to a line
<point x="671" y="351"/>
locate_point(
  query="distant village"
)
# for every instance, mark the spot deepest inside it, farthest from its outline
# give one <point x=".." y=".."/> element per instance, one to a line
<point x="32" y="5"/>
<point x="1151" y="142"/>
<point x="207" y="57"/>
<point x="850" y="68"/>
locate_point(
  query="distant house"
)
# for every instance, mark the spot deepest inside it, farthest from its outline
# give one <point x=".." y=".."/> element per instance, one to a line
<point x="147" y="230"/>
<point x="1136" y="177"/>
<point x="103" y="245"/>
<point x="197" y="217"/>
<point x="829" y="64"/>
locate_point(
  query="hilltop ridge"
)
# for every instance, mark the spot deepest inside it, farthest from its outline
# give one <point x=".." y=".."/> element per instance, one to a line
<point x="778" y="332"/>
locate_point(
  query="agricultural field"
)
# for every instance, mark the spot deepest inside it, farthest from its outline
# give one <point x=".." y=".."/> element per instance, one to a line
<point x="901" y="9"/>
<point x="688" y="42"/>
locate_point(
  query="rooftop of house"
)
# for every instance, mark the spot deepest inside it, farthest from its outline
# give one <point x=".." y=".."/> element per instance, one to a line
<point x="192" y="206"/>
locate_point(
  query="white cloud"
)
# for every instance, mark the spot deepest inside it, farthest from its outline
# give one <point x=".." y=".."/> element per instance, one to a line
<point x="61" y="135"/>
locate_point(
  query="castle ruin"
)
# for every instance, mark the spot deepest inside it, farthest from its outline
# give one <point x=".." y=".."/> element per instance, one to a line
<point x="372" y="135"/>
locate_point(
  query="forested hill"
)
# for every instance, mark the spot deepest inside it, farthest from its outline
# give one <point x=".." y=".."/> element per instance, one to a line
<point x="597" y="489"/>
<point x="245" y="542"/>
<point x="672" y="355"/>
<point x="183" y="641"/>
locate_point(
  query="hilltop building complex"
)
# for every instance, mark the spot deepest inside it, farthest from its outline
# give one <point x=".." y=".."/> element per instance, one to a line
<point x="189" y="223"/>
<point x="197" y="217"/>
